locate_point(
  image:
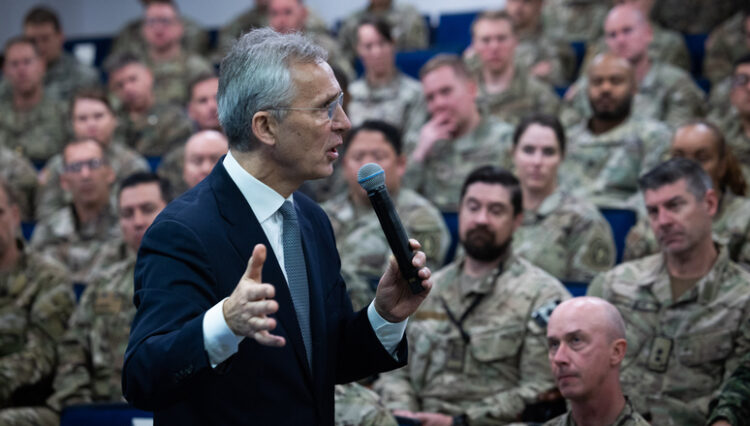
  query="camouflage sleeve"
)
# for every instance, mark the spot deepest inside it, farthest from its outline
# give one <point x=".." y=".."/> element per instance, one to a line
<point x="593" y="249"/>
<point x="676" y="53"/>
<point x="175" y="131"/>
<point x="396" y="390"/>
<point x="656" y="143"/>
<point x="417" y="35"/>
<point x="717" y="63"/>
<point x="685" y="101"/>
<point x="357" y="405"/>
<point x="430" y="230"/>
<point x="733" y="404"/>
<point x="29" y="416"/>
<point x="357" y="287"/>
<point x="22" y="176"/>
<point x="536" y="377"/>
<point x="597" y="287"/>
<point x="50" y="197"/>
<point x="548" y="101"/>
<point x="575" y="105"/>
<point x="47" y="322"/>
<point x="640" y="241"/>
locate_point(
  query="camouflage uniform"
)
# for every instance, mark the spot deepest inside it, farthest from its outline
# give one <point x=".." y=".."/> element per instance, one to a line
<point x="62" y="237"/>
<point x="604" y="169"/>
<point x="524" y="95"/>
<point x="732" y="402"/>
<point x="37" y="134"/>
<point x="400" y="103"/>
<point x="536" y="46"/>
<point x="335" y="57"/>
<point x="667" y="45"/>
<point x="355" y="405"/>
<point x="725" y="45"/>
<point x="666" y="93"/>
<point x="627" y="417"/>
<point x="440" y="176"/>
<point x="566" y="237"/>
<point x="51" y="198"/>
<point x="679" y="351"/>
<point x="163" y="128"/>
<point x="248" y="20"/>
<point x="498" y="364"/>
<point x="171" y="168"/>
<point x="694" y="16"/>
<point x="172" y="78"/>
<point x="574" y="20"/>
<point x="64" y="77"/>
<point x="408" y="28"/>
<point x="93" y="349"/>
<point x="731" y="228"/>
<point x="364" y="249"/>
<point x="36" y="299"/>
<point x="130" y="38"/>
<point x="21" y="176"/>
<point x="731" y="126"/>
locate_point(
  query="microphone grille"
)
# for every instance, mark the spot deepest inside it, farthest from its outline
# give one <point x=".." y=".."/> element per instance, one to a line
<point x="370" y="176"/>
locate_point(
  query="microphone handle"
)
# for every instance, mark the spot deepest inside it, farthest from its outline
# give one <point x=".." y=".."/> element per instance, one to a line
<point x="396" y="236"/>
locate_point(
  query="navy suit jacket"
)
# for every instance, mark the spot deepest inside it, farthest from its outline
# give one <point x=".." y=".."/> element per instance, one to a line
<point x="192" y="257"/>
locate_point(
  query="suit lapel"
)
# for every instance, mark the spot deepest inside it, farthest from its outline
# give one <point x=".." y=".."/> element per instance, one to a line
<point x="244" y="231"/>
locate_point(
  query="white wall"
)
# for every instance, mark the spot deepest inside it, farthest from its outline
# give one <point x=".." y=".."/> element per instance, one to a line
<point x="83" y="18"/>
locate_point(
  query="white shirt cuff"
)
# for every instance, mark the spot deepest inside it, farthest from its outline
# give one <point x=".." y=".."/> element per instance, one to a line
<point x="218" y="339"/>
<point x="389" y="333"/>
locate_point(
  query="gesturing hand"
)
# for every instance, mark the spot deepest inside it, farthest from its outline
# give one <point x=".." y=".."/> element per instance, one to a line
<point x="246" y="309"/>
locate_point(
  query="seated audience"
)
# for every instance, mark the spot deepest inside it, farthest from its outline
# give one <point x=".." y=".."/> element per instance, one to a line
<point x="686" y="308"/>
<point x="21" y="176"/>
<point x="726" y="44"/>
<point x="694" y="16"/>
<point x="562" y="234"/>
<point x="198" y="157"/>
<point x="732" y="406"/>
<point x="734" y="121"/>
<point x="477" y="350"/>
<point x="574" y="21"/>
<point x="586" y="339"/>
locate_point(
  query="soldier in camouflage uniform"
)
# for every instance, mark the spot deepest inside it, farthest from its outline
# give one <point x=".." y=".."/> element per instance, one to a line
<point x="287" y="16"/>
<point x="586" y="338"/>
<point x="36" y="299"/>
<point x="91" y="117"/>
<point x="665" y="92"/>
<point x="574" y="20"/>
<point x="363" y="248"/>
<point x="383" y="92"/>
<point x="31" y="122"/>
<point x="196" y="160"/>
<point x="457" y="138"/>
<point x="702" y="142"/>
<point x="726" y="44"/>
<point x="506" y="90"/>
<point x="21" y="176"/>
<point x="694" y="16"/>
<point x="564" y="235"/>
<point x="409" y="29"/>
<point x="93" y="349"/>
<point x="149" y="127"/>
<point x="687" y="308"/>
<point x="731" y="406"/>
<point x="255" y="17"/>
<point x="74" y="234"/>
<point x="477" y="344"/>
<point x="355" y="405"/>
<point x="64" y="74"/>
<point x="734" y="121"/>
<point x="130" y="37"/>
<point x="607" y="153"/>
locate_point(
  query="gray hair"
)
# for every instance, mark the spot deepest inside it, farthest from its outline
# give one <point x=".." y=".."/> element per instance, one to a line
<point x="255" y="77"/>
<point x="671" y="171"/>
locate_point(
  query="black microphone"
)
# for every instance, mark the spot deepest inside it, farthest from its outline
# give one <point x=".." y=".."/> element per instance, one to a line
<point x="372" y="178"/>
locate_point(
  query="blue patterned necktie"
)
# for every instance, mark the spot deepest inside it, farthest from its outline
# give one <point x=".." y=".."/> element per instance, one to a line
<point x="296" y="272"/>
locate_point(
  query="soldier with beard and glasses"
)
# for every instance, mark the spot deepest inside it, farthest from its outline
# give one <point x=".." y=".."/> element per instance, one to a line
<point x="479" y="353"/>
<point x="608" y="152"/>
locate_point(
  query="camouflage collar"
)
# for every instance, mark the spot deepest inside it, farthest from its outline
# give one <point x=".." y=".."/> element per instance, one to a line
<point x="551" y="203"/>
<point x="485" y="284"/>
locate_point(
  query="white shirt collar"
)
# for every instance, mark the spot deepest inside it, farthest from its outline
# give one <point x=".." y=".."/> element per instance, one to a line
<point x="263" y="200"/>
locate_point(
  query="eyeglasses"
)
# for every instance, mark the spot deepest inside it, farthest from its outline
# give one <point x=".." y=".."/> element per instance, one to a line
<point x="152" y="22"/>
<point x="740" y="80"/>
<point x="77" y="167"/>
<point x="330" y="108"/>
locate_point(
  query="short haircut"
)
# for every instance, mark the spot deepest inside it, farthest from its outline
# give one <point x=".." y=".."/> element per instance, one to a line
<point x="10" y="193"/>
<point x="119" y="61"/>
<point x="500" y="176"/>
<point x="80" y="141"/>
<point x="391" y="134"/>
<point x="446" y="60"/>
<point x="39" y="15"/>
<point x="255" y="76"/>
<point x="20" y="40"/>
<point x="493" y="15"/>
<point x="172" y="3"/>
<point x="544" y="120"/>
<point x="742" y="60"/>
<point x="93" y="93"/>
<point x="673" y="170"/>
<point x="200" y="78"/>
<point x="140" y="178"/>
<point x="381" y="26"/>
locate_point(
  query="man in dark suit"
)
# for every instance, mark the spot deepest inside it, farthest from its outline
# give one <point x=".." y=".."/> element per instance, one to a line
<point x="218" y="339"/>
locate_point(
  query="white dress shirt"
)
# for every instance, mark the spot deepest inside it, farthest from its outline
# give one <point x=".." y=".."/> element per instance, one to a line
<point x="218" y="339"/>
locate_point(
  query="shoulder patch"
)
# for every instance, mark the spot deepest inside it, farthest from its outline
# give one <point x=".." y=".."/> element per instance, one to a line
<point x="542" y="314"/>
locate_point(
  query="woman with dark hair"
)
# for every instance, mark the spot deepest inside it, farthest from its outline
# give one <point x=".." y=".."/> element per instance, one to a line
<point x="564" y="235"/>
<point x="703" y="142"/>
<point x="383" y="92"/>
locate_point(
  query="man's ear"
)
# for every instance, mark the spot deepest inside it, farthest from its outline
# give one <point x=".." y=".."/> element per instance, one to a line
<point x="265" y="127"/>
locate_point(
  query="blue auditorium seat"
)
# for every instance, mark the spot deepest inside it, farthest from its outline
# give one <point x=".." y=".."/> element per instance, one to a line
<point x="27" y="228"/>
<point x="411" y="62"/>
<point x="454" y="31"/>
<point x="116" y="414"/>
<point x="620" y="220"/>
<point x="153" y="162"/>
<point x="696" y="44"/>
<point x="451" y="222"/>
<point x="579" y="47"/>
<point x="576" y="288"/>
